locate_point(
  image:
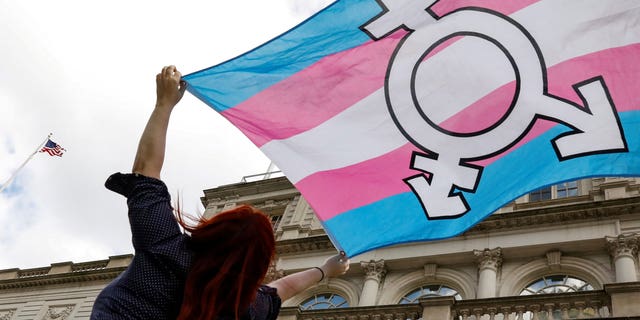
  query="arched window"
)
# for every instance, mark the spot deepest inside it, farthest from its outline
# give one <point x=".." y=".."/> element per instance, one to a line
<point x="559" y="284"/>
<point x="556" y="284"/>
<point x="429" y="291"/>
<point x="324" y="301"/>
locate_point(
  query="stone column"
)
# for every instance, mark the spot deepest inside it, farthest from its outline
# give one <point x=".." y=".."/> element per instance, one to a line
<point x="624" y="251"/>
<point x="374" y="272"/>
<point x="489" y="262"/>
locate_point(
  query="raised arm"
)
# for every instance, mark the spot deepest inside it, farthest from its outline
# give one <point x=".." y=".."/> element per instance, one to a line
<point x="151" y="148"/>
<point x="295" y="283"/>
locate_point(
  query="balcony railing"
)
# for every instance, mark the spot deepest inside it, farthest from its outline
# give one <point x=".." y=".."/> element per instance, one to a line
<point x="262" y="176"/>
<point x="392" y="312"/>
<point x="89" y="266"/>
<point x="579" y="305"/>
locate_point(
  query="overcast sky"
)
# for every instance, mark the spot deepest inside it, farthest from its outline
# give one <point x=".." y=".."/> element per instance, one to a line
<point x="85" y="71"/>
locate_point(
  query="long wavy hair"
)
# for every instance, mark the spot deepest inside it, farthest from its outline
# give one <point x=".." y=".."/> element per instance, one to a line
<point x="231" y="254"/>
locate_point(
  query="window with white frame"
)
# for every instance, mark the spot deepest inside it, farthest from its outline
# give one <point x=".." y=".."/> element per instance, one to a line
<point x="275" y="220"/>
<point x="567" y="189"/>
<point x="540" y="194"/>
<point x="559" y="283"/>
<point x="428" y="292"/>
<point x="324" y="301"/>
<point x="556" y="284"/>
<point x="560" y="190"/>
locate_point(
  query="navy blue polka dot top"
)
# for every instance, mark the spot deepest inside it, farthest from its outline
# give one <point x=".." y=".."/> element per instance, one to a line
<point x="153" y="284"/>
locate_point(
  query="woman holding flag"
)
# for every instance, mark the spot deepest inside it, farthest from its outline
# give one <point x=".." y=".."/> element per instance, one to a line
<point x="215" y="271"/>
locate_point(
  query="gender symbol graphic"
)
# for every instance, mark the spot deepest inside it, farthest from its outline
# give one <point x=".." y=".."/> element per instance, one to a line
<point x="595" y="125"/>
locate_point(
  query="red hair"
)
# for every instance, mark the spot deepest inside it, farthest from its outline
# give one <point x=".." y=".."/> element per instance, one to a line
<point x="231" y="255"/>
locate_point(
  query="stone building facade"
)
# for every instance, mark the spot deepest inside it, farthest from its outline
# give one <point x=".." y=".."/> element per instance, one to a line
<point x="563" y="252"/>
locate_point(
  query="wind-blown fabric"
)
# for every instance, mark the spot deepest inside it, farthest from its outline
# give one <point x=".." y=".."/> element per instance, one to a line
<point x="53" y="149"/>
<point x="406" y="120"/>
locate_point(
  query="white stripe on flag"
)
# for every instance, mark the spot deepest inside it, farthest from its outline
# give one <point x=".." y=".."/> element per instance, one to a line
<point x="563" y="30"/>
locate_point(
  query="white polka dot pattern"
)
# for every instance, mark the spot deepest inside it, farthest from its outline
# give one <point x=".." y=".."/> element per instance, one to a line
<point x="152" y="286"/>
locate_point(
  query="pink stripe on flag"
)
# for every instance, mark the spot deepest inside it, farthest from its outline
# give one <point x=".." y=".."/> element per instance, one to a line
<point x="318" y="93"/>
<point x="375" y="178"/>
<point x="314" y="95"/>
<point x="505" y="7"/>
<point x="386" y="175"/>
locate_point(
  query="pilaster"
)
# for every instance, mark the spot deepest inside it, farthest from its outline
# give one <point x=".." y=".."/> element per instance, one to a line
<point x="489" y="259"/>
<point x="489" y="263"/>
<point x="374" y="272"/>
<point x="624" y="253"/>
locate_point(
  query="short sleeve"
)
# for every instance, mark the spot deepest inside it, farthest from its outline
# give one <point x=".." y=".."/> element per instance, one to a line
<point x="150" y="212"/>
<point x="267" y="304"/>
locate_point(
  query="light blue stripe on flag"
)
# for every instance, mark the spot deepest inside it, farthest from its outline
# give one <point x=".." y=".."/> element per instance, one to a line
<point x="330" y="31"/>
<point x="400" y="218"/>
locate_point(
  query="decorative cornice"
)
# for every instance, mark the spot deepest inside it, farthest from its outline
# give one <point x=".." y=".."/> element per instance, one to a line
<point x="624" y="245"/>
<point x="593" y="210"/>
<point x="374" y="270"/>
<point x="489" y="258"/>
<point x="256" y="189"/>
<point x="63" y="278"/>
<point x="98" y="270"/>
<point x="270" y="204"/>
<point x="513" y="220"/>
<point x="315" y="243"/>
<point x="273" y="207"/>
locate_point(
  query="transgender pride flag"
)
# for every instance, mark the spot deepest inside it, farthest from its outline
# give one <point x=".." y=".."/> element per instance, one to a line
<point x="410" y="120"/>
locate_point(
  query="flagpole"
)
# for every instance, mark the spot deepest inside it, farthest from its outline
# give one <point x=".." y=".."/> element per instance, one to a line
<point x="15" y="173"/>
<point x="269" y="171"/>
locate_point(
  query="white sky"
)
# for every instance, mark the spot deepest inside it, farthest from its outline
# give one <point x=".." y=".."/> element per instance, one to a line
<point x="85" y="70"/>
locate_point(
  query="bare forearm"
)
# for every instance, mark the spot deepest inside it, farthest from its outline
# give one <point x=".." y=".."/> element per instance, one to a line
<point x="151" y="148"/>
<point x="295" y="283"/>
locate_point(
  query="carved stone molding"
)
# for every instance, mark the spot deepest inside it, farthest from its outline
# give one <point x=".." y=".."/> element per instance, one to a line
<point x="272" y="205"/>
<point x="300" y="245"/>
<point x="593" y="210"/>
<point x="624" y="245"/>
<point x="489" y="258"/>
<point x="374" y="269"/>
<point x="273" y="273"/>
<point x="58" y="312"/>
<point x="254" y="192"/>
<point x="554" y="259"/>
<point x="430" y="270"/>
<point x="7" y="314"/>
<point x="85" y="276"/>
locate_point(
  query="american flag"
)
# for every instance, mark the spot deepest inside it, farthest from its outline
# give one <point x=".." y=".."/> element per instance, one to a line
<point x="53" y="149"/>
